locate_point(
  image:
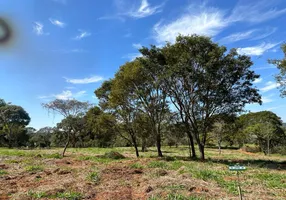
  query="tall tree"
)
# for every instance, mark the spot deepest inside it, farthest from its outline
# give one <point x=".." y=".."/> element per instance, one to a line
<point x="204" y="80"/>
<point x="13" y="120"/>
<point x="281" y="65"/>
<point x="72" y="110"/>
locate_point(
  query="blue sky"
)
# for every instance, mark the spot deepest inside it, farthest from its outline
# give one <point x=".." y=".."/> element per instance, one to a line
<point x="66" y="48"/>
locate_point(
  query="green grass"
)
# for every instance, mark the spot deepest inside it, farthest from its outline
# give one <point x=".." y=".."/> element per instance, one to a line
<point x="158" y="164"/>
<point x="175" y="196"/>
<point x="34" y="168"/>
<point x="37" y="195"/>
<point x="136" y="166"/>
<point x="94" y="177"/>
<point x="61" y="195"/>
<point x="2" y="172"/>
<point x="272" y="180"/>
<point x="69" y="195"/>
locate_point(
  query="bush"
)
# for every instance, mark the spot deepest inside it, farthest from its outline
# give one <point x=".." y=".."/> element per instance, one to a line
<point x="113" y="155"/>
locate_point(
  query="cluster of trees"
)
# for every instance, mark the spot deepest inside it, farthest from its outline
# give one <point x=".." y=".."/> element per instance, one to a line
<point x="191" y="92"/>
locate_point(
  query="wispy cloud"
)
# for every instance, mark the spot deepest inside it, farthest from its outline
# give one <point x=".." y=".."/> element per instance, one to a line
<point x="92" y="79"/>
<point x="267" y="99"/>
<point x="253" y="34"/>
<point x="82" y="34"/>
<point x="269" y="86"/>
<point x="137" y="45"/>
<point x="256" y="50"/>
<point x="61" y="1"/>
<point x="205" y="20"/>
<point x="197" y="20"/>
<point x="144" y="10"/>
<point x="258" y="80"/>
<point x="264" y="33"/>
<point x="255" y="12"/>
<point x="132" y="56"/>
<point x="38" y="29"/>
<point x="237" y="36"/>
<point x="263" y="68"/>
<point x="65" y="95"/>
<point x="70" y="51"/>
<point x="137" y="10"/>
<point x="57" y="22"/>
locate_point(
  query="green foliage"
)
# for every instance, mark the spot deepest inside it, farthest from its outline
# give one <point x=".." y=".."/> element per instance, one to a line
<point x="281" y="65"/>
<point x="69" y="195"/>
<point x="37" y="195"/>
<point x="136" y="166"/>
<point x="34" y="168"/>
<point x="94" y="177"/>
<point x="113" y="155"/>
<point x="3" y="172"/>
<point x="158" y="164"/>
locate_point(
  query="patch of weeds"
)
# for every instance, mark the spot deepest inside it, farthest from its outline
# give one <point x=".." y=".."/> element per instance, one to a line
<point x="272" y="180"/>
<point x="181" y="197"/>
<point x="158" y="164"/>
<point x="113" y="155"/>
<point x="205" y="174"/>
<point x="34" y="168"/>
<point x="230" y="186"/>
<point x="169" y="158"/>
<point x="69" y="195"/>
<point x="37" y="195"/>
<point x="54" y="155"/>
<point x="94" y="177"/>
<point x="11" y="161"/>
<point x="175" y="165"/>
<point x="2" y="172"/>
<point x="174" y="187"/>
<point x="136" y="166"/>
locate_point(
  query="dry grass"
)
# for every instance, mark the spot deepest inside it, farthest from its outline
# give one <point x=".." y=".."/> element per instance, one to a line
<point x="85" y="174"/>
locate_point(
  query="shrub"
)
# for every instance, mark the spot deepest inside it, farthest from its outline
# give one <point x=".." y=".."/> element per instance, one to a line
<point x="113" y="155"/>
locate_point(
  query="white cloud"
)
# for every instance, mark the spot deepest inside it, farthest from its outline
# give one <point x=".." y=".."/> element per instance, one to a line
<point x="38" y="29"/>
<point x="267" y="99"/>
<point x="137" y="45"/>
<point x="258" y="80"/>
<point x="82" y="35"/>
<point x="92" y="79"/>
<point x="256" y="50"/>
<point x="264" y="33"/>
<point x="255" y="11"/>
<point x="262" y="68"/>
<point x="144" y="10"/>
<point x="132" y="56"/>
<point x="237" y="36"/>
<point x="70" y="51"/>
<point x="65" y="95"/>
<point x="203" y="20"/>
<point x="57" y="23"/>
<point x="198" y="20"/>
<point x="269" y="86"/>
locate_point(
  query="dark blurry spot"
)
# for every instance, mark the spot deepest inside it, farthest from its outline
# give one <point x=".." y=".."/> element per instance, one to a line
<point x="5" y="31"/>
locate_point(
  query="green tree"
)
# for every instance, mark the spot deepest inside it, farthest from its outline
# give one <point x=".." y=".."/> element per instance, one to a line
<point x="265" y="128"/>
<point x="42" y="137"/>
<point x="72" y="111"/>
<point x="13" y="120"/>
<point x="281" y="65"/>
<point x="204" y="80"/>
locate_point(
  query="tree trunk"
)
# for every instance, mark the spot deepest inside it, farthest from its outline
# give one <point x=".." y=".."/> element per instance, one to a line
<point x="202" y="151"/>
<point x="268" y="144"/>
<point x="10" y="139"/>
<point x="219" y="147"/>
<point x="192" y="146"/>
<point x="158" y="144"/>
<point x="66" y="146"/>
<point x="135" y="145"/>
<point x="144" y="148"/>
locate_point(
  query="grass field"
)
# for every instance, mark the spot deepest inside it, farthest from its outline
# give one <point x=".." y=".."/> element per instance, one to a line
<point x="85" y="174"/>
